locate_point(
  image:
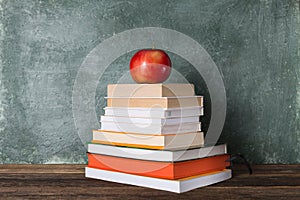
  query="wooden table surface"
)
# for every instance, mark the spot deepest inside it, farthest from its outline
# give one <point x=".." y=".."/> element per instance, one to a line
<point x="68" y="182"/>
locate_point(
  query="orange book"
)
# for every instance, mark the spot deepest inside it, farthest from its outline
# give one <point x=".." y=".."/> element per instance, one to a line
<point x="165" y="170"/>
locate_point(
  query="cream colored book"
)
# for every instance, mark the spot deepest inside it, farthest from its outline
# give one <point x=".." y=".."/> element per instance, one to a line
<point x="150" y="90"/>
<point x="155" y="102"/>
<point x="176" y="141"/>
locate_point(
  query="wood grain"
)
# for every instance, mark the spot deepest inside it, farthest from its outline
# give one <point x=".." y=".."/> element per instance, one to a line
<point x="68" y="182"/>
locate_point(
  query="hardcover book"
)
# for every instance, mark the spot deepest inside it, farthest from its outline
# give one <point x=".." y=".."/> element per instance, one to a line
<point x="155" y="102"/>
<point x="151" y="129"/>
<point x="150" y="121"/>
<point x="166" y="170"/>
<point x="155" y="155"/>
<point x="154" y="112"/>
<point x="150" y="90"/>
<point x="175" y="141"/>
<point x="177" y="186"/>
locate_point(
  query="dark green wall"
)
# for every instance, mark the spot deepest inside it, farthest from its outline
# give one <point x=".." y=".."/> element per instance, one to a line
<point x="254" y="43"/>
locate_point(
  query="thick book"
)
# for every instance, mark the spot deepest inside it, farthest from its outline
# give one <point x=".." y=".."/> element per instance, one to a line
<point x="177" y="186"/>
<point x="165" y="170"/>
<point x="151" y="129"/>
<point x="154" y="112"/>
<point x="175" y="141"/>
<point x="155" y="155"/>
<point x="150" y="90"/>
<point x="150" y="121"/>
<point x="155" y="102"/>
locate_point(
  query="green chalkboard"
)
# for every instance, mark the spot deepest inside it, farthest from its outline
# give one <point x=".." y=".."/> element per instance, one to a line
<point x="255" y="44"/>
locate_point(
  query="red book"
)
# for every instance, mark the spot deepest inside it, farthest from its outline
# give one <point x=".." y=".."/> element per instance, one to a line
<point x="166" y="170"/>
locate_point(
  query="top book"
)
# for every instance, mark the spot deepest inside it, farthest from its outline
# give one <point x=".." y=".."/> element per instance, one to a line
<point x="150" y="90"/>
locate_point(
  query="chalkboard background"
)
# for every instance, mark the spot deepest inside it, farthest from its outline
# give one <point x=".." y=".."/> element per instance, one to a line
<point x="255" y="45"/>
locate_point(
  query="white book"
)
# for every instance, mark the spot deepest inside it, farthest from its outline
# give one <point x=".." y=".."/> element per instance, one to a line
<point x="154" y="112"/>
<point x="177" y="186"/>
<point x="151" y="128"/>
<point x="148" y="121"/>
<point x="155" y="155"/>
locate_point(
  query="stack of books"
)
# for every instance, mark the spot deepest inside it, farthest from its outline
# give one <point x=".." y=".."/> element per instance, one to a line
<point x="151" y="136"/>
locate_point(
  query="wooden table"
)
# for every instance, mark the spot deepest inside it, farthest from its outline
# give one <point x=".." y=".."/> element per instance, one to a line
<point x="68" y="182"/>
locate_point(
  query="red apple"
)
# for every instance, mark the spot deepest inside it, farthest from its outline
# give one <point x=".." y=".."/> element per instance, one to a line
<point x="150" y="66"/>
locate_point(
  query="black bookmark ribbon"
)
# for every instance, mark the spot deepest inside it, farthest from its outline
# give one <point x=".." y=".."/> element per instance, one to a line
<point x="245" y="162"/>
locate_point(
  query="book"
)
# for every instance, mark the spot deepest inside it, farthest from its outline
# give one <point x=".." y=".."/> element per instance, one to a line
<point x="157" y="129"/>
<point x="177" y="186"/>
<point x="175" y="141"/>
<point x="165" y="170"/>
<point x="155" y="155"/>
<point x="149" y="121"/>
<point x="150" y="90"/>
<point x="154" y="112"/>
<point x="155" y="102"/>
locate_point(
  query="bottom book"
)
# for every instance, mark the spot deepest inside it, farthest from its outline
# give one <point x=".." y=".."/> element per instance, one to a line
<point x="177" y="186"/>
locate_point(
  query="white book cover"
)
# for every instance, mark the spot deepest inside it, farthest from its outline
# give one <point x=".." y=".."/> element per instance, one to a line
<point x="148" y="121"/>
<point x="154" y="112"/>
<point x="151" y="128"/>
<point x="177" y="186"/>
<point x="158" y="155"/>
